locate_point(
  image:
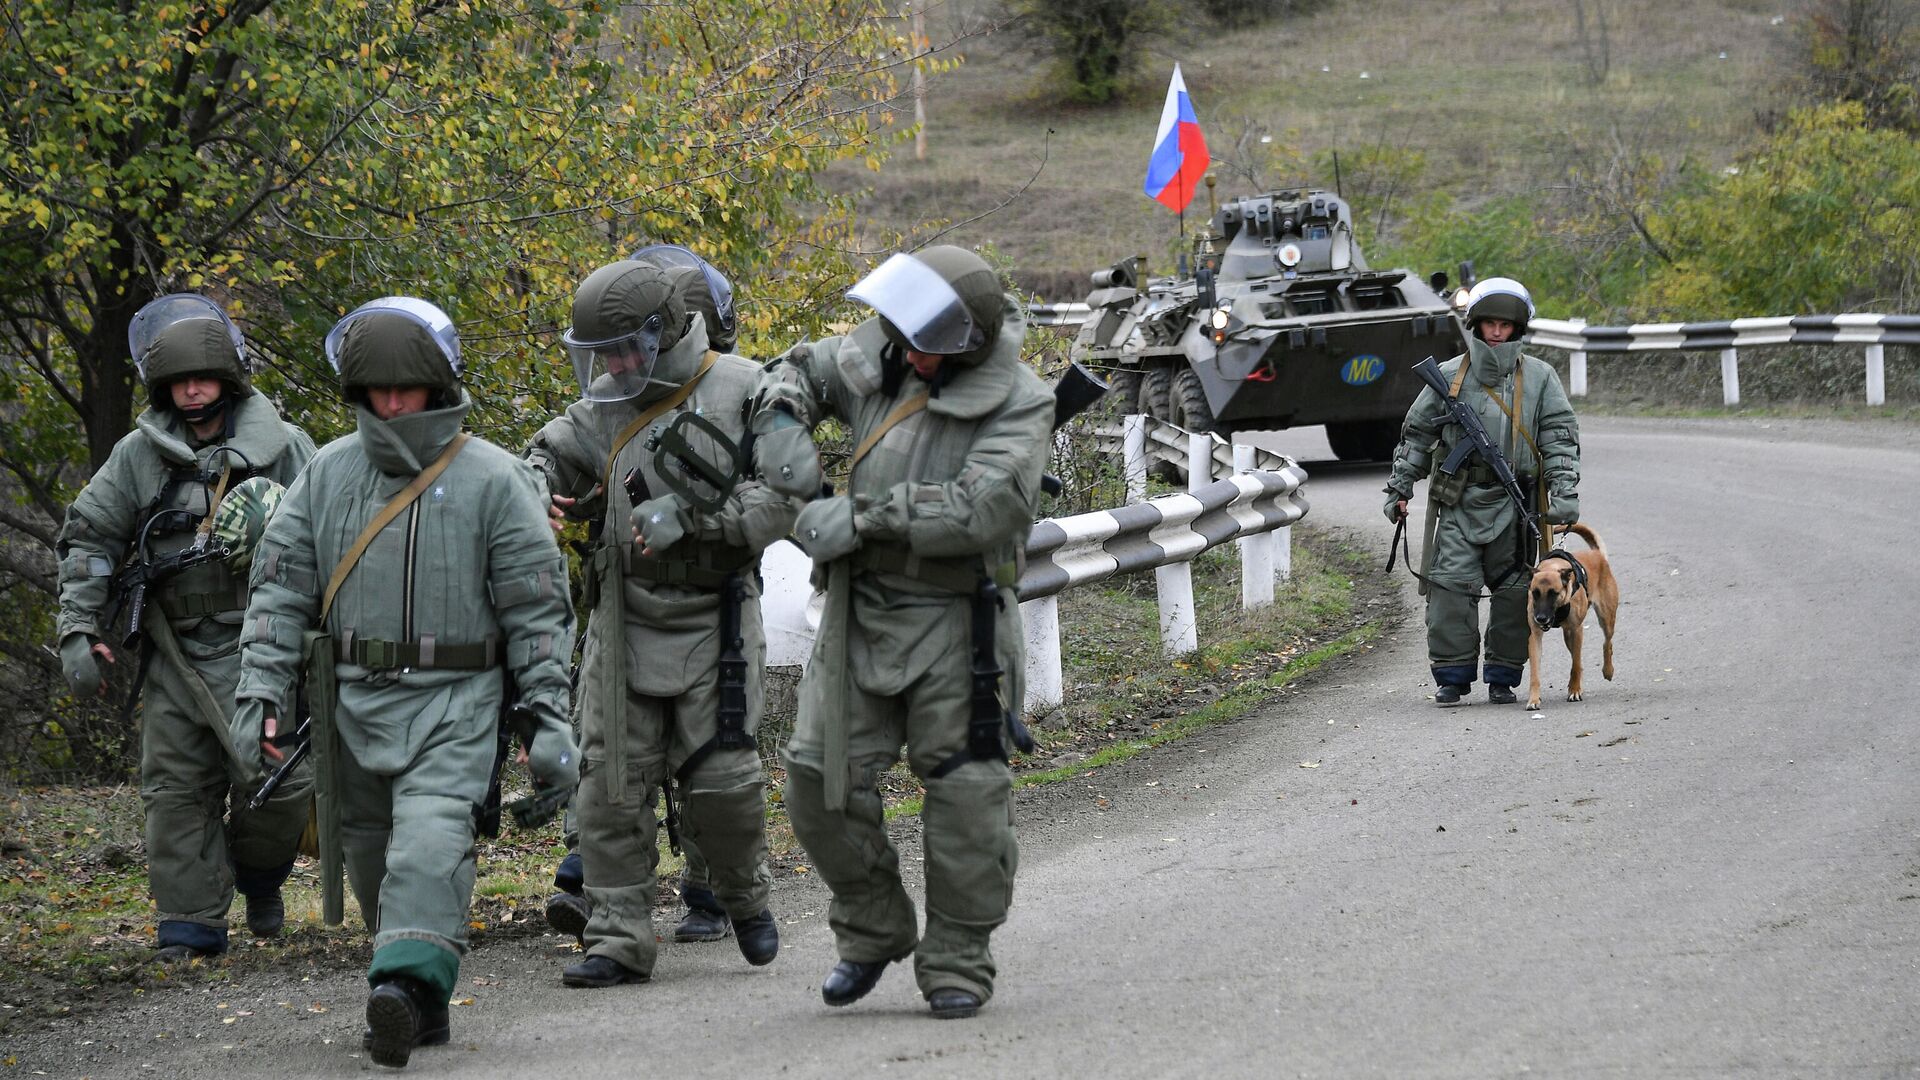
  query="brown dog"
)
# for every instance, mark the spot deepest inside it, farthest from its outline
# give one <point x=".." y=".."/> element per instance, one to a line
<point x="1563" y="586"/>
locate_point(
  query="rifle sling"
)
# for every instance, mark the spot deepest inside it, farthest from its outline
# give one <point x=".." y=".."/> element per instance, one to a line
<point x="386" y="515"/>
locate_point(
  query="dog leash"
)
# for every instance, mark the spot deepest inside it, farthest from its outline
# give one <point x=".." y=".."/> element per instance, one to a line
<point x="1399" y="544"/>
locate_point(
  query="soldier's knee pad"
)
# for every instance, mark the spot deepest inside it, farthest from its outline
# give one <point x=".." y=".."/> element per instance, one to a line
<point x="431" y="834"/>
<point x="971" y="851"/>
<point x="844" y="844"/>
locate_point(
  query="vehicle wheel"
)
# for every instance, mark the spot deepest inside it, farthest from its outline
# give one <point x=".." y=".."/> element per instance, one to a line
<point x="1124" y="398"/>
<point x="1156" y="400"/>
<point x="1364" y="440"/>
<point x="1190" y="408"/>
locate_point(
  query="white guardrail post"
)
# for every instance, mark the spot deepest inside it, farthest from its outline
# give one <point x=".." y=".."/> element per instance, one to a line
<point x="1046" y="687"/>
<point x="1730" y="376"/>
<point x="1133" y="448"/>
<point x="1876" y="374"/>
<point x="1256" y="551"/>
<point x="1199" y="461"/>
<point x="1577" y="366"/>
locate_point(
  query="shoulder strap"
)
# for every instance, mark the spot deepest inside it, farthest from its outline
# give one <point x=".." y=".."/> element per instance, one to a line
<point x="380" y="520"/>
<point x="653" y="412"/>
<point x="900" y="412"/>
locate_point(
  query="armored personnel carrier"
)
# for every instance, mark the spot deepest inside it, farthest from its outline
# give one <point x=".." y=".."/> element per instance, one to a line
<point x="1282" y="324"/>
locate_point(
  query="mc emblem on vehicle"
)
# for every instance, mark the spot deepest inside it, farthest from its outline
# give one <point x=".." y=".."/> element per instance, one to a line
<point x="1363" y="369"/>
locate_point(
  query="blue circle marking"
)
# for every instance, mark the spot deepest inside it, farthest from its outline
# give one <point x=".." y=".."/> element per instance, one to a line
<point x="1362" y="369"/>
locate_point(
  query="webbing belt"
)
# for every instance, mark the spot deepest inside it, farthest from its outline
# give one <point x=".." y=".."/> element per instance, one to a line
<point x="423" y="654"/>
<point x="708" y="569"/>
<point x="200" y="605"/>
<point x="956" y="575"/>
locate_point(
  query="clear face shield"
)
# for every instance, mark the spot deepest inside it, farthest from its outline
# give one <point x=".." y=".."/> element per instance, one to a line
<point x="617" y="368"/>
<point x="667" y="256"/>
<point x="426" y="315"/>
<point x="157" y="316"/>
<point x="921" y="306"/>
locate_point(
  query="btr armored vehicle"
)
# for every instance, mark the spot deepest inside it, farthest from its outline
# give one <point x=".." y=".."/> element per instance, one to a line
<point x="1282" y="324"/>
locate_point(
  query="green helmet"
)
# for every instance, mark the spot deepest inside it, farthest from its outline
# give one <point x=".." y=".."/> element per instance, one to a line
<point x="701" y="287"/>
<point x="241" y="518"/>
<point x="1500" y="298"/>
<point x="626" y="316"/>
<point x="945" y="301"/>
<point x="186" y="334"/>
<point x="395" y="341"/>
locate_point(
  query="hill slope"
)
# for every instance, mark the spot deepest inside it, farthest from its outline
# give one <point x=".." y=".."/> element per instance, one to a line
<point x="1496" y="96"/>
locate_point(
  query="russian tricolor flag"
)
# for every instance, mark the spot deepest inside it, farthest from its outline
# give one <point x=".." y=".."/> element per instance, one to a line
<point x="1180" y="155"/>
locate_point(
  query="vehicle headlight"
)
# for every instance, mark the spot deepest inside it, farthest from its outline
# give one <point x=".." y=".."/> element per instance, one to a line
<point x="1289" y="255"/>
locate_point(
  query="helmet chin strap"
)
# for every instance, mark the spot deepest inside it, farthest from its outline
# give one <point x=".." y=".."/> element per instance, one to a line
<point x="200" y="414"/>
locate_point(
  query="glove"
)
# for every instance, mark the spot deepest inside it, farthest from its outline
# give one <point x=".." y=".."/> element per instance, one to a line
<point x="825" y="529"/>
<point x="661" y="522"/>
<point x="553" y="759"/>
<point x="784" y="455"/>
<point x="248" y="728"/>
<point x="1392" y="509"/>
<point x="1563" y="509"/>
<point x="81" y="667"/>
<point x="887" y="519"/>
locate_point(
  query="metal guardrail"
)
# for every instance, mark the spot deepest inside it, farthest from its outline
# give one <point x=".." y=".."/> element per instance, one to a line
<point x="1066" y="552"/>
<point x="1167" y="443"/>
<point x="1057" y="314"/>
<point x="1729" y="336"/>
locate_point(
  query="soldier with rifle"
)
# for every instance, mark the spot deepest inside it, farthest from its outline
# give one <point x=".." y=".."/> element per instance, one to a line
<point x="409" y="577"/>
<point x="920" y="642"/>
<point x="670" y="693"/>
<point x="140" y="540"/>
<point x="706" y="291"/>
<point x="1499" y="438"/>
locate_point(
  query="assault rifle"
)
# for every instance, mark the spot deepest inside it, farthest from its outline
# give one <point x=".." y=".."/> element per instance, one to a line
<point x="302" y="746"/>
<point x="1478" y="442"/>
<point x="129" y="588"/>
<point x="518" y="724"/>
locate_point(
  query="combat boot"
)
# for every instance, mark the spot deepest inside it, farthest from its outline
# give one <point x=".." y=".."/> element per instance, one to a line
<point x="704" y="920"/>
<point x="597" y="971"/>
<point x="759" y="938"/>
<point x="953" y="1003"/>
<point x="1449" y="694"/>
<point x="266" y="914"/>
<point x="402" y="1014"/>
<point x="568" y="914"/>
<point x="1500" y="695"/>
<point x="850" y="980"/>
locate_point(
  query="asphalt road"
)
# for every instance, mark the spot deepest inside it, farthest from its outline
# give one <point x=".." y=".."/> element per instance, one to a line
<point x="1709" y="867"/>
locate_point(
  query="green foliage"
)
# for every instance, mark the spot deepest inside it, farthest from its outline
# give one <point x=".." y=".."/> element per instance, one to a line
<point x="1819" y="218"/>
<point x="1864" y="51"/>
<point x="1095" y="45"/>
<point x="294" y="158"/>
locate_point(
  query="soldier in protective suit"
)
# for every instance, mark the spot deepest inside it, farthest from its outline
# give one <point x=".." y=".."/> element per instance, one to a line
<point x="950" y="433"/>
<point x="1474" y="536"/>
<point x="707" y="292"/>
<point x="426" y="557"/>
<point x="661" y="579"/>
<point x="205" y="434"/>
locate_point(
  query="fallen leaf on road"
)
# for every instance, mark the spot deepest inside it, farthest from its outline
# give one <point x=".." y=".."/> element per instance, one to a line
<point x="1583" y="735"/>
<point x="316" y="1007"/>
<point x="1615" y="742"/>
<point x="1309" y="764"/>
<point x="463" y="1001"/>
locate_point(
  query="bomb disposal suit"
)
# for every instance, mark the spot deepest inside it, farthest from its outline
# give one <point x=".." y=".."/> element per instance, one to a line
<point x="950" y="435"/>
<point x="663" y="577"/>
<point x="457" y="599"/>
<point x="150" y="502"/>
<point x="705" y="291"/>
<point x="1474" y="535"/>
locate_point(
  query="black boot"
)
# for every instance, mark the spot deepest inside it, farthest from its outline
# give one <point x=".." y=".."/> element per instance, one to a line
<point x="402" y="1013"/>
<point x="567" y="914"/>
<point x="266" y="914"/>
<point x="850" y="980"/>
<point x="953" y="1003"/>
<point x="759" y="938"/>
<point x="598" y="971"/>
<point x="1500" y="695"/>
<point x="705" y="919"/>
<point x="1449" y="694"/>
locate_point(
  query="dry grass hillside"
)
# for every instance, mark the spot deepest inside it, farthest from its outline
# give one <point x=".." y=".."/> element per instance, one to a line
<point x="1496" y="96"/>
